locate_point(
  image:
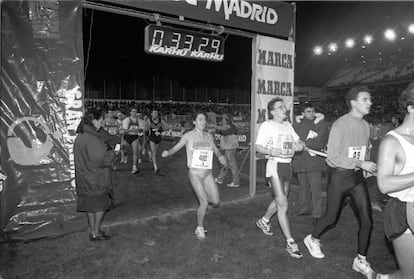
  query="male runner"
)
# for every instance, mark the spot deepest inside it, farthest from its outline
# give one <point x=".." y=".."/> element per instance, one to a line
<point x="277" y="138"/>
<point x="396" y="178"/>
<point x="347" y="159"/>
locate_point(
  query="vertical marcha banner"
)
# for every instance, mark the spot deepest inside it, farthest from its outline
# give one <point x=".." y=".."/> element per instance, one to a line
<point x="41" y="106"/>
<point x="273" y="77"/>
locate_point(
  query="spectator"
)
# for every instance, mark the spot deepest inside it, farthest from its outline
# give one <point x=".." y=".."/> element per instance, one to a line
<point x="93" y="173"/>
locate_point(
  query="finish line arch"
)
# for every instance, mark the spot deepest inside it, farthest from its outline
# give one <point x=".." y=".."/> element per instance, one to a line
<point x="43" y="78"/>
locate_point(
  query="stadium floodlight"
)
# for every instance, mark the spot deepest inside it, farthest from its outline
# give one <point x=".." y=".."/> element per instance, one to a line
<point x="333" y="47"/>
<point x="411" y="28"/>
<point x="350" y="43"/>
<point x="318" y="50"/>
<point x="368" y="39"/>
<point x="390" y="34"/>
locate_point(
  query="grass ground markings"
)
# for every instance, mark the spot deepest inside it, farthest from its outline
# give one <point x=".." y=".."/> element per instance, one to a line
<point x="152" y="231"/>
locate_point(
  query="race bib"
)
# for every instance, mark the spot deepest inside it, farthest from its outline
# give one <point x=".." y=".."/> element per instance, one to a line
<point x="285" y="143"/>
<point x="357" y="152"/>
<point x="113" y="130"/>
<point x="133" y="127"/>
<point x="202" y="159"/>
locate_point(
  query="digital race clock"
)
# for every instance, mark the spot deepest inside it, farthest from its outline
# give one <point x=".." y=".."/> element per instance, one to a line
<point x="176" y="42"/>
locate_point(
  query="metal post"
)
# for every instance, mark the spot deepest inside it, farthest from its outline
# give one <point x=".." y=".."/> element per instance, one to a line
<point x="153" y="87"/>
<point x="171" y="89"/>
<point x="104" y="89"/>
<point x="253" y="165"/>
<point x="120" y="89"/>
<point x="135" y="88"/>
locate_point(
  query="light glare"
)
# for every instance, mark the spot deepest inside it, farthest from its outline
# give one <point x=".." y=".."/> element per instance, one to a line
<point x="349" y="43"/>
<point x="390" y="34"/>
<point x="318" y="50"/>
<point x="368" y="39"/>
<point x="411" y="28"/>
<point x="333" y="47"/>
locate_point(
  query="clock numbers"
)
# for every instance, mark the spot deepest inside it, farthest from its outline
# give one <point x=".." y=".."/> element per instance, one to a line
<point x="215" y="45"/>
<point x="188" y="42"/>
<point x="157" y="37"/>
<point x="203" y="43"/>
<point x="170" y="41"/>
<point x="175" y="40"/>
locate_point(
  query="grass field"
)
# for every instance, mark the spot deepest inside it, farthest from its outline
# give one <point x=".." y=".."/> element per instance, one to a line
<point x="152" y="229"/>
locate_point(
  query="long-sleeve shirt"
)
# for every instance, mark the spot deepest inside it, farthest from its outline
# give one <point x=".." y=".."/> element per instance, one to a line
<point x="348" y="142"/>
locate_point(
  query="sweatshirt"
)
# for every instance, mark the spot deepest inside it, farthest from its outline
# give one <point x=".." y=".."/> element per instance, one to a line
<point x="348" y="142"/>
<point x="315" y="136"/>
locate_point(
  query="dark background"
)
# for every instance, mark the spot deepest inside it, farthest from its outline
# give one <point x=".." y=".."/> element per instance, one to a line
<point x="114" y="49"/>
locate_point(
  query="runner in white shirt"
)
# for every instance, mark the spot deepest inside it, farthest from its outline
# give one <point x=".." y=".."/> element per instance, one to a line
<point x="200" y="147"/>
<point x="396" y="178"/>
<point x="278" y="140"/>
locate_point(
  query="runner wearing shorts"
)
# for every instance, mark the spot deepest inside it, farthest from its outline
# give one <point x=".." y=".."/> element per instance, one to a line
<point x="157" y="126"/>
<point x="278" y="140"/>
<point x="348" y="157"/>
<point x="396" y="178"/>
<point x="131" y="132"/>
<point x="200" y="147"/>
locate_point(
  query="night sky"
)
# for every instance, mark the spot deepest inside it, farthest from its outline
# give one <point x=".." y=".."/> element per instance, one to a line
<point x="117" y="45"/>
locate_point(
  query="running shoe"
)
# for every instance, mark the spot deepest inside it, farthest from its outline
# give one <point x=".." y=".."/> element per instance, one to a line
<point x="264" y="226"/>
<point x="363" y="266"/>
<point x="293" y="250"/>
<point x="313" y="246"/>
<point x="218" y="181"/>
<point x="200" y="233"/>
<point x="134" y="170"/>
<point x="139" y="161"/>
<point x="233" y="185"/>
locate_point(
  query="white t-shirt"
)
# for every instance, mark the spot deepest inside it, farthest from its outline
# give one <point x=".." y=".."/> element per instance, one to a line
<point x="278" y="135"/>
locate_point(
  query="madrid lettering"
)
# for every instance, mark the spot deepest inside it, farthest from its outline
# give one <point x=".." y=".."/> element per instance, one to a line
<point x="274" y="87"/>
<point x="242" y="9"/>
<point x="275" y="59"/>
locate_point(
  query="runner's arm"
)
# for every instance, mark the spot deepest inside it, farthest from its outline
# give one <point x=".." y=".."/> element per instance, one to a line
<point x="125" y="125"/>
<point x="175" y="148"/>
<point x="387" y="181"/>
<point x="275" y="152"/>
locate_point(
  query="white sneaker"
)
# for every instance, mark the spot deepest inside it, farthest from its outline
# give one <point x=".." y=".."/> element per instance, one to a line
<point x="139" y="161"/>
<point x="265" y="227"/>
<point x="134" y="170"/>
<point x="200" y="233"/>
<point x="233" y="185"/>
<point x="363" y="266"/>
<point x="218" y="181"/>
<point x="293" y="250"/>
<point x="313" y="246"/>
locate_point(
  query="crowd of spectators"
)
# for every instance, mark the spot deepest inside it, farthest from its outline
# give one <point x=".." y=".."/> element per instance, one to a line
<point x="384" y="98"/>
<point x="393" y="68"/>
<point x="172" y="108"/>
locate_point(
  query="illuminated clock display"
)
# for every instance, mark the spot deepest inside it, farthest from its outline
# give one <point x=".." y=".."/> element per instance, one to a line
<point x="170" y="41"/>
